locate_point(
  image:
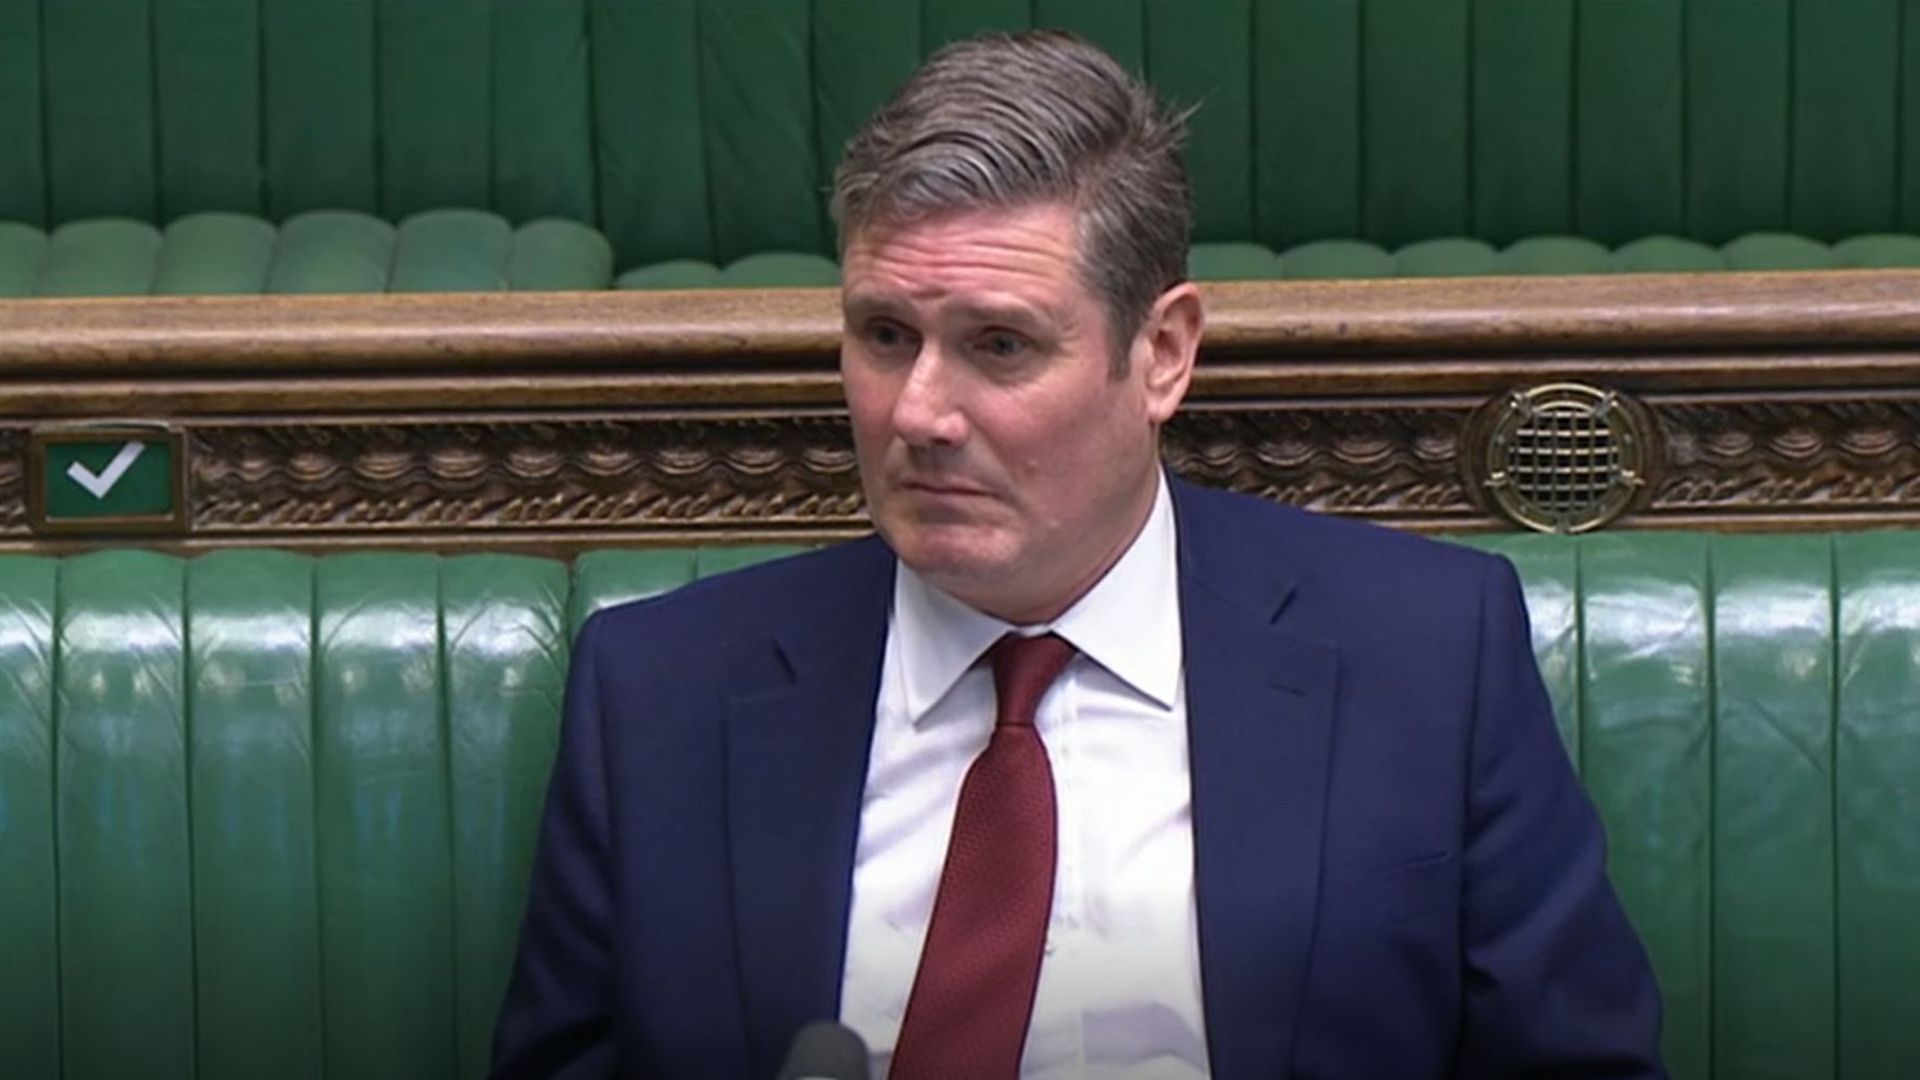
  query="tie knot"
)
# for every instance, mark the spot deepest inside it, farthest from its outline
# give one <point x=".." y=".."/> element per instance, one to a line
<point x="1023" y="668"/>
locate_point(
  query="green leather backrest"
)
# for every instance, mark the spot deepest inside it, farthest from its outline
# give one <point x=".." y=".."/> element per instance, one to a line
<point x="267" y="815"/>
<point x="708" y="129"/>
<point x="152" y="109"/>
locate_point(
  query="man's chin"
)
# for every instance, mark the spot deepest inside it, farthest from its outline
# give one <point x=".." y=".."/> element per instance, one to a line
<point x="955" y="558"/>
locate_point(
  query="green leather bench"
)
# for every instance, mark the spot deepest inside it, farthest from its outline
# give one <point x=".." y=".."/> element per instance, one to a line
<point x="269" y="816"/>
<point x="181" y="146"/>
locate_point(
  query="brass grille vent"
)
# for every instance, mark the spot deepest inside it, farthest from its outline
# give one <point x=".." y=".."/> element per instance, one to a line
<point x="1561" y="458"/>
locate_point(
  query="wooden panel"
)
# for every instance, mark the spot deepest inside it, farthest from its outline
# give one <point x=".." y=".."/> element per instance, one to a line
<point x="553" y="422"/>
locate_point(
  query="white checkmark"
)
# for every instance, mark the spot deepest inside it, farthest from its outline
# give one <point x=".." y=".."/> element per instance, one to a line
<point x="101" y="483"/>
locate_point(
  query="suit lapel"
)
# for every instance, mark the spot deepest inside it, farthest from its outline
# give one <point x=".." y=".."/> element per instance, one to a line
<point x="796" y="769"/>
<point x="1259" y="713"/>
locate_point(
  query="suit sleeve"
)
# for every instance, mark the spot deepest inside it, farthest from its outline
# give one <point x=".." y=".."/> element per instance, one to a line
<point x="1557" y="982"/>
<point x="556" y="1018"/>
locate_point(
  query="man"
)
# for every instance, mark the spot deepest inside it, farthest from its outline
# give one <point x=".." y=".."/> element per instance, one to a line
<point x="1281" y="796"/>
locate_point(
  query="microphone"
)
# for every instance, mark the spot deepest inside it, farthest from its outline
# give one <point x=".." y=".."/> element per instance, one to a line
<point x="826" y="1050"/>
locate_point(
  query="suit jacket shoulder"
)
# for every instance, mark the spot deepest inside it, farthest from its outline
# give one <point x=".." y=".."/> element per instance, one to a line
<point x="1346" y="582"/>
<point x="782" y="595"/>
<point x="759" y="624"/>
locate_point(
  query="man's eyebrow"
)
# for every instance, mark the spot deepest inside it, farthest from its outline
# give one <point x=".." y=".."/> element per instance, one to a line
<point x="867" y="303"/>
<point x="861" y="305"/>
<point x="1020" y="315"/>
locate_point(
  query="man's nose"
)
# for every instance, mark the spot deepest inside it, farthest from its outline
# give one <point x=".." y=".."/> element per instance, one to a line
<point x="928" y="413"/>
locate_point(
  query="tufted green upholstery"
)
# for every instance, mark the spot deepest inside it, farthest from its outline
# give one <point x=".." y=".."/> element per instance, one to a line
<point x="680" y="136"/>
<point x="266" y="815"/>
<point x="473" y="251"/>
<point x="1463" y="256"/>
<point x="320" y="251"/>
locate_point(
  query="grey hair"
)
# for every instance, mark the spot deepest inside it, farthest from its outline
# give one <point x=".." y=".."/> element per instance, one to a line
<point x="1004" y="121"/>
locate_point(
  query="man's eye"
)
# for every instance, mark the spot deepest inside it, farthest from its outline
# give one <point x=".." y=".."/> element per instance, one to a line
<point x="889" y="337"/>
<point x="1002" y="344"/>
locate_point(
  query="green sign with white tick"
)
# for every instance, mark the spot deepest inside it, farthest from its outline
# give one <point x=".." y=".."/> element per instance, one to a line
<point x="113" y="478"/>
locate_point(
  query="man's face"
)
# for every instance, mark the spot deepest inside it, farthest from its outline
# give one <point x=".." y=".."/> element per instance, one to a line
<point x="1000" y="456"/>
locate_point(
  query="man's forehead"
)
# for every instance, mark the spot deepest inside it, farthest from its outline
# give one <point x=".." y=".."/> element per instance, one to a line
<point x="980" y="299"/>
<point x="1049" y="221"/>
<point x="991" y="259"/>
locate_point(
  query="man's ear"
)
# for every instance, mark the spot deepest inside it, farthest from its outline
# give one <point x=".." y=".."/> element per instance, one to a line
<point x="1165" y="348"/>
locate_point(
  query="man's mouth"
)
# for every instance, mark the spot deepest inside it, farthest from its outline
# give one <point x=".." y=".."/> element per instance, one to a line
<point x="944" y="488"/>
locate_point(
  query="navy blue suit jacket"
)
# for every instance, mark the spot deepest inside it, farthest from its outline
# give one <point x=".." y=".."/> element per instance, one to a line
<point x="1397" y="873"/>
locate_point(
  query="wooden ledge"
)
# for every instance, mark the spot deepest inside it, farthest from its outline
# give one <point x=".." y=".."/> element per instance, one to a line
<point x="412" y="332"/>
<point x="1473" y="316"/>
<point x="1496" y="315"/>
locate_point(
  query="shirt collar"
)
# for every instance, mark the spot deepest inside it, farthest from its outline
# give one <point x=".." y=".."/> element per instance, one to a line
<point x="1128" y="623"/>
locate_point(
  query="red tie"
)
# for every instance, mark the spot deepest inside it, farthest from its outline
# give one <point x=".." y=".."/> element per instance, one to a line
<point x="973" y="995"/>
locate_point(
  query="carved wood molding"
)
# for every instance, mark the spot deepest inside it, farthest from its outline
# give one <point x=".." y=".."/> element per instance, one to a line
<point x="557" y="483"/>
<point x="1383" y="463"/>
<point x="524" y="474"/>
<point x="1770" y="456"/>
<point x="13" y="481"/>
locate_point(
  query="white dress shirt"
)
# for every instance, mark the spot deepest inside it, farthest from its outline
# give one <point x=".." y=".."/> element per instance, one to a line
<point x="1119" y="993"/>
